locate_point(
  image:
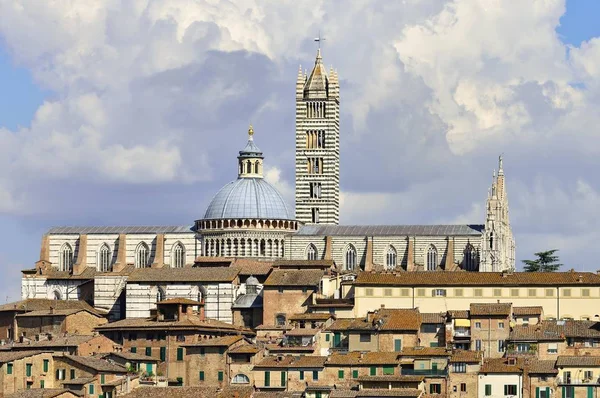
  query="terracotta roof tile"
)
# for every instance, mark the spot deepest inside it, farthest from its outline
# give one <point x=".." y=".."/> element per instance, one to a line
<point x="45" y="305"/>
<point x="339" y="393"/>
<point x="542" y="366"/>
<point x="98" y="364"/>
<point x="244" y="349"/>
<point x="133" y="356"/>
<point x="224" y="341"/>
<point x="490" y="309"/>
<point x="466" y="356"/>
<point x="398" y="378"/>
<point x="556" y="331"/>
<point x="288" y="361"/>
<point x="79" y="381"/>
<point x="538" y="332"/>
<point x="278" y="394"/>
<point x="294" y="278"/>
<point x="433" y="317"/>
<point x="71" y="340"/>
<point x="9" y="356"/>
<point x="502" y="365"/>
<point x="248" y="266"/>
<point x="302" y="332"/>
<point x="191" y="392"/>
<point x="459" y="314"/>
<point x="345" y="324"/>
<point x="425" y="352"/>
<point x="367" y="358"/>
<point x="590" y="361"/>
<point x="39" y="393"/>
<point x="306" y="264"/>
<point x="45" y="313"/>
<point x="189" y="323"/>
<point x="311" y="316"/>
<point x="399" y="319"/>
<point x="522" y="311"/>
<point x="309" y="361"/>
<point x="394" y="392"/>
<point x="427" y="278"/>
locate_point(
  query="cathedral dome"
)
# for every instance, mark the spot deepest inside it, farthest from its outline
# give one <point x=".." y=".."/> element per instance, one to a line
<point x="248" y="198"/>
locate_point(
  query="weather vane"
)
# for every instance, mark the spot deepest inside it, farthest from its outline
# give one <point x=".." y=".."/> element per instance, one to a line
<point x="319" y="39"/>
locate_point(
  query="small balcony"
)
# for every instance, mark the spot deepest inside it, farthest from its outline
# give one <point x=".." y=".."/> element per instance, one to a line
<point x="465" y="334"/>
<point x="578" y="381"/>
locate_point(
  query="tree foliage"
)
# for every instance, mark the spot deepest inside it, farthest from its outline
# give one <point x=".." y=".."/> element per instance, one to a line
<point x="545" y="262"/>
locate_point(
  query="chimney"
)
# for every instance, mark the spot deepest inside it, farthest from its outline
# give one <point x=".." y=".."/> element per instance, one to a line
<point x="382" y="305"/>
<point x="52" y="309"/>
<point x="580" y="278"/>
<point x="202" y="316"/>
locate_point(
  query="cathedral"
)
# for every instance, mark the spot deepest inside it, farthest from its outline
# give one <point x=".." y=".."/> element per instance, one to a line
<point x="249" y="219"/>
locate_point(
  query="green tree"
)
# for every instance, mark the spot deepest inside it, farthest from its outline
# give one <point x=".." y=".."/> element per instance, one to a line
<point x="545" y="262"/>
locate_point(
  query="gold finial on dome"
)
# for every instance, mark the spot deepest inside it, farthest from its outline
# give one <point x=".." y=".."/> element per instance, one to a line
<point x="250" y="131"/>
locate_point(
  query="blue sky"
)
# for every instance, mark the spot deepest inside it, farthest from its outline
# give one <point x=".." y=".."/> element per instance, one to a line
<point x="146" y="108"/>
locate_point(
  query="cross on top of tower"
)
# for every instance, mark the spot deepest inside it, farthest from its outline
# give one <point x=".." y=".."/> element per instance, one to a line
<point x="319" y="39"/>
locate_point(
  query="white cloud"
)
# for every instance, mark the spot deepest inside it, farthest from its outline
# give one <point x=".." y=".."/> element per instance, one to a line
<point x="152" y="99"/>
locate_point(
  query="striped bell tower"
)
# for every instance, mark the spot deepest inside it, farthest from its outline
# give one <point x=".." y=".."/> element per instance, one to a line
<point x="318" y="145"/>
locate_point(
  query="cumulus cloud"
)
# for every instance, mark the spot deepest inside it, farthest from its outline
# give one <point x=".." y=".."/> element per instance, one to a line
<point x="150" y="102"/>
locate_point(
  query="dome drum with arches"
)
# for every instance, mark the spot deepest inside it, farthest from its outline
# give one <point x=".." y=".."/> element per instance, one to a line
<point x="248" y="202"/>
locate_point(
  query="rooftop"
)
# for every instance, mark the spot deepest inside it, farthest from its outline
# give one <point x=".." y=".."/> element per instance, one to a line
<point x="45" y="305"/>
<point x="40" y="393"/>
<point x="585" y="360"/>
<point x="224" y="341"/>
<point x="98" y="364"/>
<point x="490" y="309"/>
<point x="187" y="323"/>
<point x="367" y="358"/>
<point x="391" y="230"/>
<point x="248" y="198"/>
<point x="459" y="278"/>
<point x="190" y="392"/>
<point x="195" y="274"/>
<point x="502" y="365"/>
<point x="524" y="311"/>
<point x="173" y="229"/>
<point x="466" y="356"/>
<point x="294" y="278"/>
<point x="394" y="392"/>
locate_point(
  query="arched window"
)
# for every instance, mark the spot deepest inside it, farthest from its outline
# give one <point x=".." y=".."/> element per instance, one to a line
<point x="432" y="261"/>
<point x="142" y="254"/>
<point x="256" y="167"/>
<point x="104" y="259"/>
<point x="280" y="320"/>
<point x="160" y="294"/>
<point x="178" y="255"/>
<point x="311" y="252"/>
<point x="240" y="379"/>
<point x="65" y="258"/>
<point x="350" y="258"/>
<point x="491" y="240"/>
<point x="470" y="258"/>
<point x="390" y="258"/>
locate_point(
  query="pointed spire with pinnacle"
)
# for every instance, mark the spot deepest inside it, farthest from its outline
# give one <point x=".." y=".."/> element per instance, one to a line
<point x="500" y="168"/>
<point x="317" y="83"/>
